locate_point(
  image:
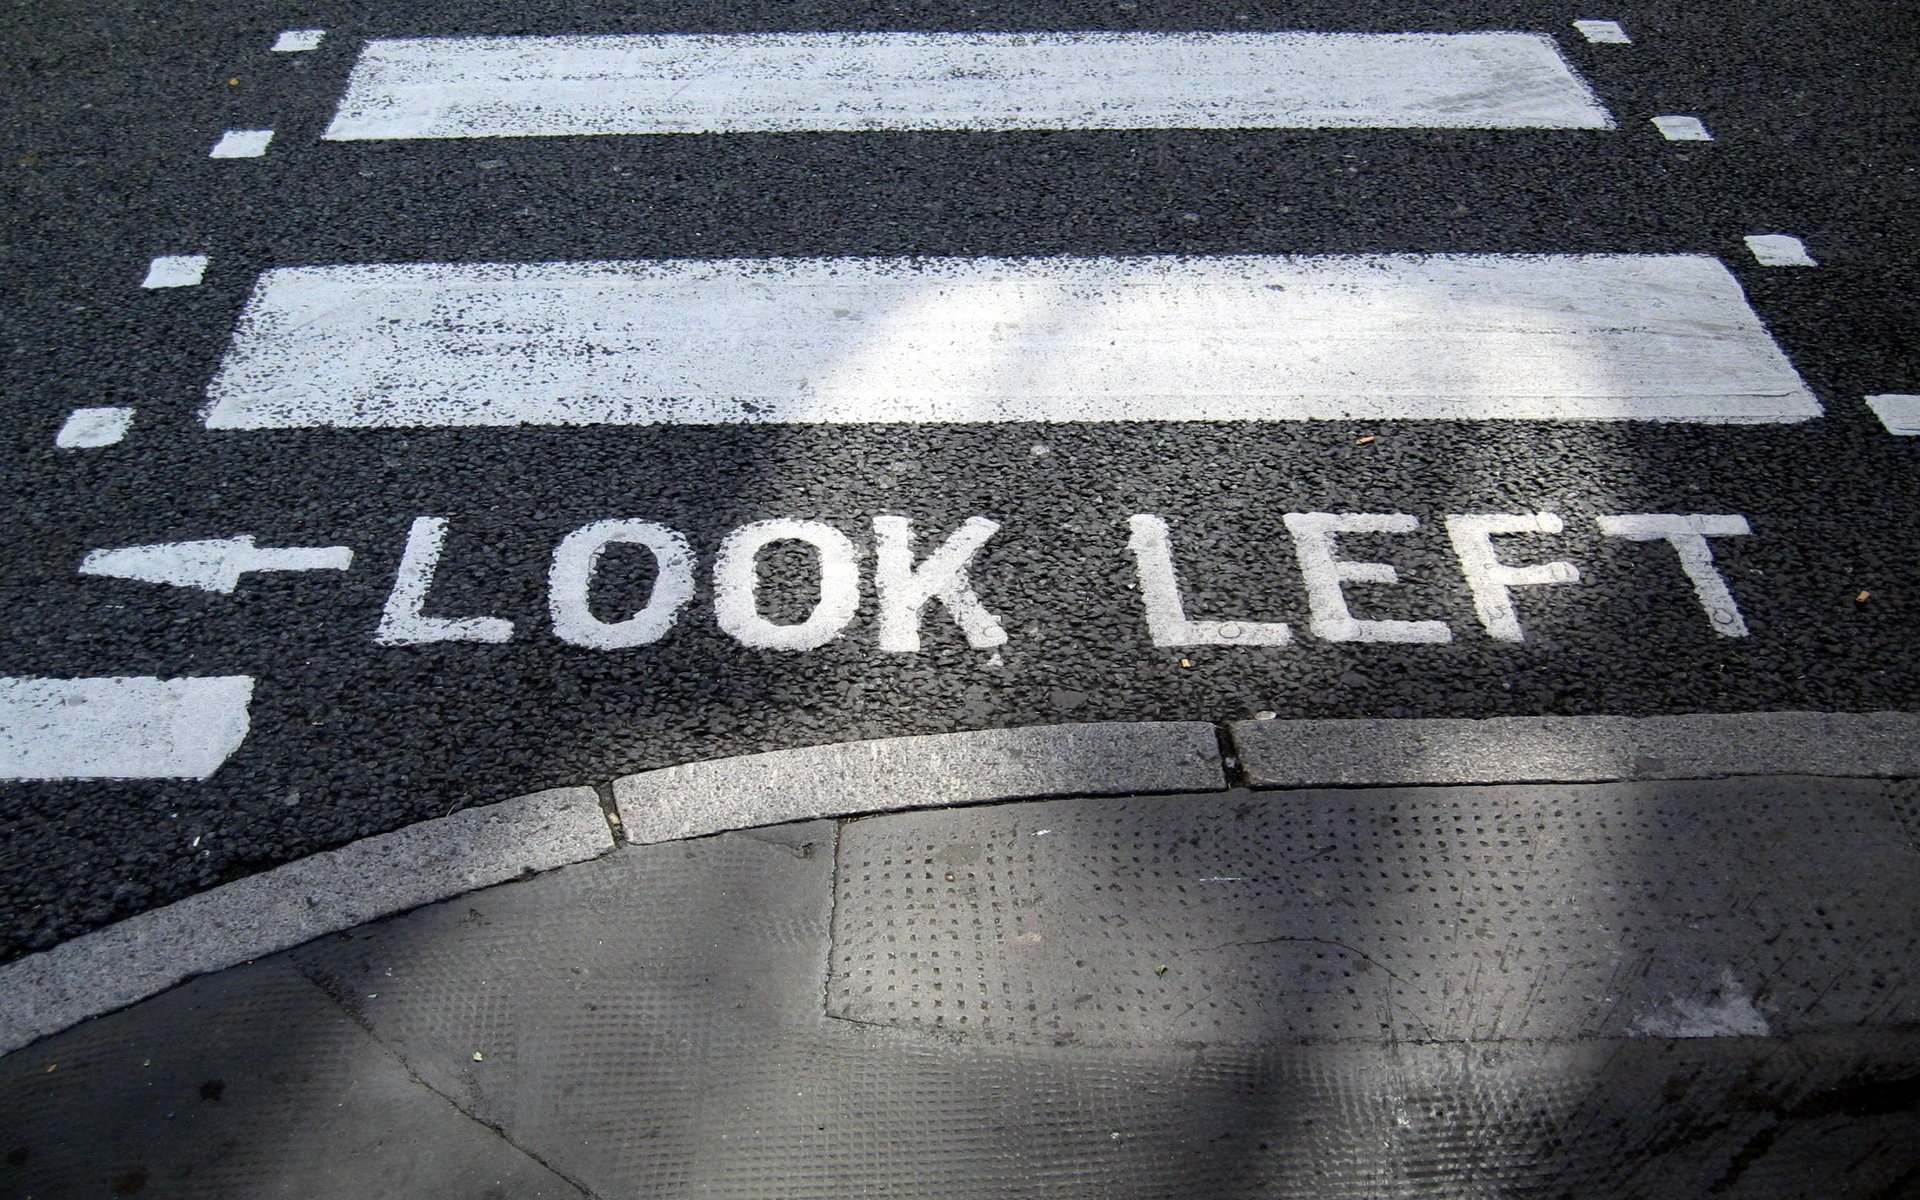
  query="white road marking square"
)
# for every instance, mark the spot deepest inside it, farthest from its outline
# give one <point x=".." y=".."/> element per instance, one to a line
<point x="242" y="143"/>
<point x="1682" y="129"/>
<point x="1899" y="413"/>
<point x="1779" y="250"/>
<point x="1603" y="32"/>
<point x="293" y="41"/>
<point x="87" y="428"/>
<point x="175" y="270"/>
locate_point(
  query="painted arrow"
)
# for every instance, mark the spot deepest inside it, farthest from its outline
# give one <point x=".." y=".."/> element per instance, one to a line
<point x="213" y="565"/>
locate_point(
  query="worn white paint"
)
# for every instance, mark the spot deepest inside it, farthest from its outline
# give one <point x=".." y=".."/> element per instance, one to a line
<point x="90" y="428"/>
<point x="1729" y="1011"/>
<point x="1490" y="580"/>
<point x="855" y="82"/>
<point x="175" y="270"/>
<point x="1779" y="250"/>
<point x="128" y="727"/>
<point x="294" y="41"/>
<point x="1682" y="129"/>
<point x="1687" y="533"/>
<point x="905" y="588"/>
<point x="242" y="143"/>
<point x="571" y="579"/>
<point x="1167" y="622"/>
<point x="1326" y="572"/>
<point x="212" y="564"/>
<point x="403" y="621"/>
<point x="1899" y="413"/>
<point x="851" y="340"/>
<point x="736" y="585"/>
<point x="1607" y="33"/>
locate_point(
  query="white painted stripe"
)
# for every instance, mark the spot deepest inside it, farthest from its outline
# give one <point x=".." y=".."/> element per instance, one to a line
<point x="293" y="41"/>
<point x="853" y="82"/>
<point x="175" y="270"/>
<point x="1779" y="250"/>
<point x="242" y="143"/>
<point x="1900" y="414"/>
<point x="121" y="728"/>
<point x="1682" y="129"/>
<point x="89" y="428"/>
<point x="1603" y="32"/>
<point x="1406" y="337"/>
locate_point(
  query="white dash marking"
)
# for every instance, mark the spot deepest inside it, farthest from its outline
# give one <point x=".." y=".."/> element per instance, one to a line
<point x="856" y="82"/>
<point x="869" y="340"/>
<point x="1607" y="33"/>
<point x="242" y="143"/>
<point x="87" y="428"/>
<point x="293" y="41"/>
<point x="175" y="270"/>
<point x="134" y="727"/>
<point x="1779" y="250"/>
<point x="1682" y="129"/>
<point x="1899" y="413"/>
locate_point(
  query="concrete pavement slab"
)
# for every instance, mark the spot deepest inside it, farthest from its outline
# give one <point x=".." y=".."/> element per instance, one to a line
<point x="247" y="1083"/>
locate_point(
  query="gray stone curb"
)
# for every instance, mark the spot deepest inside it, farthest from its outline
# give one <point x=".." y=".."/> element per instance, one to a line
<point x="435" y="860"/>
<point x="1363" y="753"/>
<point x="278" y="909"/>
<point x="852" y="778"/>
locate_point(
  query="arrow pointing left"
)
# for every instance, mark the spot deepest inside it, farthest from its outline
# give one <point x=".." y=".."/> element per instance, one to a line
<point x="213" y="564"/>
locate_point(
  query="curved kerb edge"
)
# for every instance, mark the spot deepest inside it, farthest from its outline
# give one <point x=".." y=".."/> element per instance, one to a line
<point x="435" y="860"/>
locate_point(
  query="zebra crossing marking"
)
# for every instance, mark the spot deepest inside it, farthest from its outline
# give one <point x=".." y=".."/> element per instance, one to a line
<point x="878" y="340"/>
<point x="855" y="82"/>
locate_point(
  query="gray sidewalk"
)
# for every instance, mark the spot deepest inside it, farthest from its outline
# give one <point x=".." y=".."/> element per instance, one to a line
<point x="1612" y="989"/>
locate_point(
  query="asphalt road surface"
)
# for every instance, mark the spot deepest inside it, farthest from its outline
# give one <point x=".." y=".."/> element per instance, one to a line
<point x="391" y="685"/>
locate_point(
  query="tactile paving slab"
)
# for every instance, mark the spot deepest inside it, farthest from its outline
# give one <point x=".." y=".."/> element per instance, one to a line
<point x="1736" y="907"/>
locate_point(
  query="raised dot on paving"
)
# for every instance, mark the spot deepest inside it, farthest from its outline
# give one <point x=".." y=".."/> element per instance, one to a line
<point x="1779" y="250"/>
<point x="89" y="427"/>
<point x="1682" y="129"/>
<point x="242" y="143"/>
<point x="293" y="41"/>
<point x="175" y="270"/>
<point x="1603" y="32"/>
<point x="1899" y="413"/>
